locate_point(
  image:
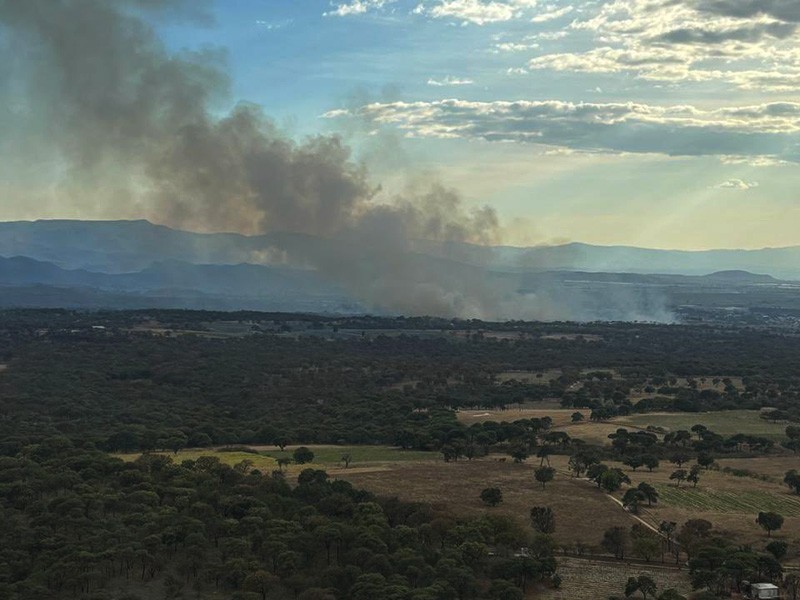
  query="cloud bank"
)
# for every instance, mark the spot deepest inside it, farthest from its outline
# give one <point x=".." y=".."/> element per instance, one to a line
<point x="768" y="130"/>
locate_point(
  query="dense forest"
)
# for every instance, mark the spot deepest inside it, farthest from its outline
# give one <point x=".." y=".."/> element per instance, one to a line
<point x="77" y="387"/>
<point x="79" y="524"/>
<point x="128" y="381"/>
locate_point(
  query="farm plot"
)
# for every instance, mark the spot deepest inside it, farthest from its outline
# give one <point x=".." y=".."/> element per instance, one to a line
<point x="560" y="416"/>
<point x="582" y="511"/>
<point x="723" y="422"/>
<point x="590" y="580"/>
<point x="729" y="501"/>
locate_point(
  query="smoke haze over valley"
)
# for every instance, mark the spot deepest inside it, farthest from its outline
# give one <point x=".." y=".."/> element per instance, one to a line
<point x="102" y="115"/>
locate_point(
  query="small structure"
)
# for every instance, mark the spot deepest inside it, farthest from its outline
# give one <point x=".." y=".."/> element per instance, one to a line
<point x="760" y="591"/>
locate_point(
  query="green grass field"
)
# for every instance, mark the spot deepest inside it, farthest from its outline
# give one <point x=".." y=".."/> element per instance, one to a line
<point x="324" y="456"/>
<point x="724" y="422"/>
<point x="332" y="455"/>
<point x="729" y="501"/>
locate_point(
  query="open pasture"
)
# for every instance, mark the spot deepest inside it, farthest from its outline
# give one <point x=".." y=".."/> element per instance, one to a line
<point x="723" y="422"/>
<point x="263" y="463"/>
<point x="591" y="580"/>
<point x="727" y="422"/>
<point x="326" y="457"/>
<point x="561" y="416"/>
<point x="541" y="377"/>
<point x="332" y="455"/>
<point x="773" y="467"/>
<point x="582" y="511"/>
<point x="730" y="501"/>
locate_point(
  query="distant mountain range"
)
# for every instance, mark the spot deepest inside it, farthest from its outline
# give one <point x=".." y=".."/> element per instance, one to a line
<point x="126" y="246"/>
<point x="136" y="263"/>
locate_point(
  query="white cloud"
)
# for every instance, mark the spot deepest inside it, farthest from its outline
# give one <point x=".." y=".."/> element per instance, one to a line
<point x="449" y="81"/>
<point x="477" y="12"/>
<point x="768" y="130"/>
<point x="550" y="35"/>
<point x="755" y="161"/>
<point x="356" y="7"/>
<point x="737" y="184"/>
<point x="552" y="14"/>
<point x="750" y="44"/>
<point x="274" y="25"/>
<point x="513" y="47"/>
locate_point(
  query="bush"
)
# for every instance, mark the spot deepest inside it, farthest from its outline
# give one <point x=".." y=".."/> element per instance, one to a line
<point x="492" y="496"/>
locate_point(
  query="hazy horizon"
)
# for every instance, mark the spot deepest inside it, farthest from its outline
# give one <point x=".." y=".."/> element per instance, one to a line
<point x="612" y="123"/>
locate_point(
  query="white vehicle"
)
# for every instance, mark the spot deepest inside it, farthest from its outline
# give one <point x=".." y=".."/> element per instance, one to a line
<point x="760" y="591"/>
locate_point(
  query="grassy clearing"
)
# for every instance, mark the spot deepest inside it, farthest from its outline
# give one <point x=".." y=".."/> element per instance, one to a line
<point x="774" y="467"/>
<point x="728" y="501"/>
<point x="589" y="337"/>
<point x="725" y="422"/>
<point x="582" y="511"/>
<point x="561" y="416"/>
<point x="542" y="377"/>
<point x="263" y="463"/>
<point x="332" y="455"/>
<point x="325" y="457"/>
<point x="590" y="580"/>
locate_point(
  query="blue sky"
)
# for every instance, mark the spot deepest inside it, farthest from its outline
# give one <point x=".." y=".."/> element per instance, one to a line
<point x="654" y="174"/>
<point x="660" y="123"/>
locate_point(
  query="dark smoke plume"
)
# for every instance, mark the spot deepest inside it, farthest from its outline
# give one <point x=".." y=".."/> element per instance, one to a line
<point x="93" y="102"/>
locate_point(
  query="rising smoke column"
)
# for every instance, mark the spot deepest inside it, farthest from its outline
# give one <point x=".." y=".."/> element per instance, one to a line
<point x="119" y="119"/>
<point x="96" y="106"/>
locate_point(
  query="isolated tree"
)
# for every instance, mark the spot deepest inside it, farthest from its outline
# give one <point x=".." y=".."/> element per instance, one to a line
<point x="632" y="498"/>
<point x="679" y="476"/>
<point x="642" y="584"/>
<point x="581" y="461"/>
<point x="705" y="460"/>
<point x="679" y="458"/>
<point x="544" y="455"/>
<point x="694" y="475"/>
<point x="769" y="522"/>
<point x="577" y="417"/>
<point x="492" y="496"/>
<point x="646" y="546"/>
<point x="650" y="461"/>
<point x="448" y="453"/>
<point x="613" y="479"/>
<point x="281" y="442"/>
<point x="792" y="479"/>
<point x="667" y="529"/>
<point x="519" y="452"/>
<point x="544" y="475"/>
<point x="693" y="534"/>
<point x="303" y="455"/>
<point x="283" y="461"/>
<point x="650" y="492"/>
<point x="634" y="462"/>
<point x="616" y="540"/>
<point x="542" y="519"/>
<point x="346" y="459"/>
<point x="777" y="549"/>
<point x="595" y="471"/>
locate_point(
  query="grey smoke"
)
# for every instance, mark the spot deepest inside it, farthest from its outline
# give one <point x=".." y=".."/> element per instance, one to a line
<point x="95" y="104"/>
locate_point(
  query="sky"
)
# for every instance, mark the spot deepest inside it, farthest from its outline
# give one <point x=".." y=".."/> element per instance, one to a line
<point x="656" y="123"/>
